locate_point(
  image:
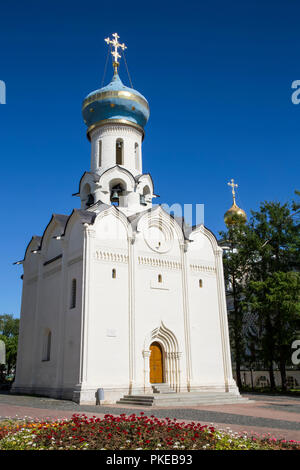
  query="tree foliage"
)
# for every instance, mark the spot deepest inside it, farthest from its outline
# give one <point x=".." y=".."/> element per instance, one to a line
<point x="262" y="268"/>
<point x="9" y="333"/>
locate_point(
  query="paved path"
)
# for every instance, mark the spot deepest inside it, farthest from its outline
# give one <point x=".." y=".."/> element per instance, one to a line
<point x="279" y="416"/>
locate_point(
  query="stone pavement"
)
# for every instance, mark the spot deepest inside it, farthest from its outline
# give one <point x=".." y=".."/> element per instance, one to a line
<point x="279" y="416"/>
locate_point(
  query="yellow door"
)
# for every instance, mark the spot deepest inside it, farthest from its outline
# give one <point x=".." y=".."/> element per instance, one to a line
<point x="156" y="363"/>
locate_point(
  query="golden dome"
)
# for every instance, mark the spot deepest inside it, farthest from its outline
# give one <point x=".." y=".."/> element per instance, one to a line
<point x="235" y="215"/>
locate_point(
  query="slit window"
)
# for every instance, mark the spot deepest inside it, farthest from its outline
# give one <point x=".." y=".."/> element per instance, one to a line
<point x="114" y="274"/>
<point x="159" y="278"/>
<point x="73" y="294"/>
<point x="119" y="152"/>
<point x="47" y="346"/>
<point x="136" y="156"/>
<point x="100" y="153"/>
<point x="200" y="283"/>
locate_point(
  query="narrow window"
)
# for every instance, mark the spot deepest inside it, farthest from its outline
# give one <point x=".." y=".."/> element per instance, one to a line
<point x="114" y="274"/>
<point x="119" y="151"/>
<point x="136" y="156"/>
<point x="200" y="283"/>
<point x="159" y="278"/>
<point x="73" y="294"/>
<point x="47" y="346"/>
<point x="100" y="153"/>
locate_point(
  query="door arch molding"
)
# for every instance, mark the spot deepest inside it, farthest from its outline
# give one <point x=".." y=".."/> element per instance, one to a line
<point x="170" y="348"/>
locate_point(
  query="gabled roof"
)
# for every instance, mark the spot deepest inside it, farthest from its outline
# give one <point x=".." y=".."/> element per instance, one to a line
<point x="99" y="206"/>
<point x="62" y="219"/>
<point x="87" y="217"/>
<point x="38" y="239"/>
<point x="95" y="176"/>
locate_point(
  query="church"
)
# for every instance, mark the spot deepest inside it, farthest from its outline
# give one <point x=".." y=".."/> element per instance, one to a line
<point x="120" y="299"/>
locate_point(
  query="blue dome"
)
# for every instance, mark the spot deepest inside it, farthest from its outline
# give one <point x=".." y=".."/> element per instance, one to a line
<point x="115" y="102"/>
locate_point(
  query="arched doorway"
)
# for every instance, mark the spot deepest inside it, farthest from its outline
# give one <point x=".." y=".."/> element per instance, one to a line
<point x="156" y="363"/>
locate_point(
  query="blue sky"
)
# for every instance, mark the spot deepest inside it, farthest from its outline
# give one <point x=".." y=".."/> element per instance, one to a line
<point x="217" y="76"/>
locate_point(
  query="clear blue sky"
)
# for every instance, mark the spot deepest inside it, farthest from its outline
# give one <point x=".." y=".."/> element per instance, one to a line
<point x="217" y="76"/>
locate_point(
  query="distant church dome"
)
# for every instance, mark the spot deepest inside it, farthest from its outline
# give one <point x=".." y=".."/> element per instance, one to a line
<point x="115" y="103"/>
<point x="235" y="214"/>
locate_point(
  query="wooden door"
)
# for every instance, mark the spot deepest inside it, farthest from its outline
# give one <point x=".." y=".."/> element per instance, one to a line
<point x="156" y="363"/>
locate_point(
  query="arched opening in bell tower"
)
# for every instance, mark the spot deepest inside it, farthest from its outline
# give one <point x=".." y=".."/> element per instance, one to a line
<point x="87" y="196"/>
<point x="116" y="191"/>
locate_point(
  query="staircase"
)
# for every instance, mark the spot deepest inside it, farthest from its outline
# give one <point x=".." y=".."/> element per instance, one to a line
<point x="164" y="396"/>
<point x="162" y="388"/>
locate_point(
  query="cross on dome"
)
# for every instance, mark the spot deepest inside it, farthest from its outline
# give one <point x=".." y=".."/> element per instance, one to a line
<point x="115" y="43"/>
<point x="233" y="185"/>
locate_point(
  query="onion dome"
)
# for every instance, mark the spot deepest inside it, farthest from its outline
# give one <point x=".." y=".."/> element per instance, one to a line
<point x="234" y="215"/>
<point x="115" y="103"/>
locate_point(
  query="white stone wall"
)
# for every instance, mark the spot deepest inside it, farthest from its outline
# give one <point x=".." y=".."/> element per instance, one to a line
<point x="46" y="305"/>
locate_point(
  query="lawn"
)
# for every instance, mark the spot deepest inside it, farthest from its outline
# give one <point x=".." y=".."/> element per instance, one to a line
<point x="128" y="432"/>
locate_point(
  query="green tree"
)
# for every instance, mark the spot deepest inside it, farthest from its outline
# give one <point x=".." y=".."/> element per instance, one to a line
<point x="275" y="245"/>
<point x="277" y="302"/>
<point x="9" y="333"/>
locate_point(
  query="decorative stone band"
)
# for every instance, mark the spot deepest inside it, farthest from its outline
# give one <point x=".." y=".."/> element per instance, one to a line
<point x="160" y="263"/>
<point x="109" y="129"/>
<point x="114" y="121"/>
<point x="51" y="272"/>
<point x="109" y="256"/>
<point x="174" y="355"/>
<point x="74" y="260"/>
<point x="203" y="268"/>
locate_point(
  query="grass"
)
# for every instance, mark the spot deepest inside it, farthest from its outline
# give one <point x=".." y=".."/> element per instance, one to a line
<point x="128" y="432"/>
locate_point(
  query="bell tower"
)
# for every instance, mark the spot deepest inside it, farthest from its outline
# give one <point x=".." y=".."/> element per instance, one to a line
<point x="115" y="116"/>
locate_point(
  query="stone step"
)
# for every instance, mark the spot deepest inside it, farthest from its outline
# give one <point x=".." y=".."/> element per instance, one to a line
<point x="182" y="399"/>
<point x="123" y="401"/>
<point x="162" y="388"/>
<point x="137" y="400"/>
<point x="138" y="397"/>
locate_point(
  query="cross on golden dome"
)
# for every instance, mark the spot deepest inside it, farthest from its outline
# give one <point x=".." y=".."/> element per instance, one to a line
<point x="233" y="185"/>
<point x="115" y="43"/>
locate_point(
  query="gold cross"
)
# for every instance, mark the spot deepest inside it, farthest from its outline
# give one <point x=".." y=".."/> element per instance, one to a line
<point x="115" y="43"/>
<point x="233" y="185"/>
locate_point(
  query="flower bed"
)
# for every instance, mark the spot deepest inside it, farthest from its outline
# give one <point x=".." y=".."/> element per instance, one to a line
<point x="128" y="433"/>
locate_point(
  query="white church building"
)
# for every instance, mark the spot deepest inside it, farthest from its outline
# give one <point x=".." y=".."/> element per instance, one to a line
<point x="119" y="295"/>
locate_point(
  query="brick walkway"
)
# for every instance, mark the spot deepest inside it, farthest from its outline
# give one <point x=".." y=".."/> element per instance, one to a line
<point x="279" y="416"/>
